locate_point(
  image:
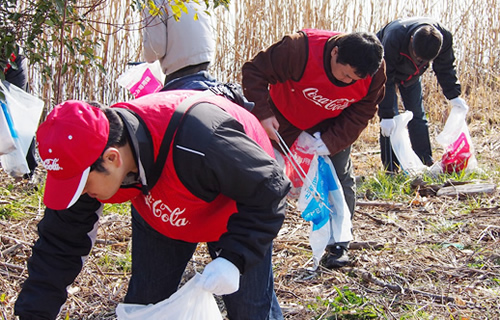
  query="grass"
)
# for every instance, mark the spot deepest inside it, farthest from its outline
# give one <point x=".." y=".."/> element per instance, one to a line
<point x="121" y="262"/>
<point x="117" y="208"/>
<point x="382" y="186"/>
<point x="454" y="234"/>
<point x="15" y="207"/>
<point x="346" y="305"/>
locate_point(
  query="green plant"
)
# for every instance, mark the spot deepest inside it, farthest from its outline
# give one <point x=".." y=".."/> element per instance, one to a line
<point x="453" y="177"/>
<point x="119" y="208"/>
<point x="347" y="305"/>
<point x="16" y="207"/>
<point x="121" y="262"/>
<point x="177" y="6"/>
<point x="49" y="30"/>
<point x="444" y="226"/>
<point x="385" y="186"/>
<point x="414" y="313"/>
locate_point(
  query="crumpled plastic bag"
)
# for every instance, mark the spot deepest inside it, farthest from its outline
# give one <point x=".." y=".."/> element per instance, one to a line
<point x="322" y="202"/>
<point x="302" y="152"/>
<point x="142" y="79"/>
<point x="190" y="302"/>
<point x="456" y="140"/>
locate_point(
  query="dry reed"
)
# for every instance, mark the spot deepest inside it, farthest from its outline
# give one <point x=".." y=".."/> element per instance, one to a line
<point x="250" y="26"/>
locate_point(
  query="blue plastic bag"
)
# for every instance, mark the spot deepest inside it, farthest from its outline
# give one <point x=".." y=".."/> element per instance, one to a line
<point x="322" y="202"/>
<point x="318" y="208"/>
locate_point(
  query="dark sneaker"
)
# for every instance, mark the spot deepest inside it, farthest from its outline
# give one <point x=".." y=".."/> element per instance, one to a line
<point x="335" y="257"/>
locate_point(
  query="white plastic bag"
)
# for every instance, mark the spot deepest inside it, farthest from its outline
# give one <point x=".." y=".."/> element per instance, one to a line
<point x="322" y="202"/>
<point x="25" y="111"/>
<point x="401" y="145"/>
<point x="142" y="79"/>
<point x="456" y="140"/>
<point x="190" y="302"/>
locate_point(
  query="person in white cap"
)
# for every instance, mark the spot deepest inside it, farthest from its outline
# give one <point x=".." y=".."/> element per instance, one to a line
<point x="215" y="180"/>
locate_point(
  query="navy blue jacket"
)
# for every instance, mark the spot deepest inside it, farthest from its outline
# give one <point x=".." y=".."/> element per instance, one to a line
<point x="401" y="70"/>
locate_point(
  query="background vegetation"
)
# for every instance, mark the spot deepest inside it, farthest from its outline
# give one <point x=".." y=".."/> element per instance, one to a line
<point x="416" y="256"/>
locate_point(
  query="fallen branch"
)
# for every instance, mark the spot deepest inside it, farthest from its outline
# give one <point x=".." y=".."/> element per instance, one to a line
<point x="384" y="222"/>
<point x="11" y="249"/>
<point x="466" y="190"/>
<point x="369" y="245"/>
<point x="16" y="240"/>
<point x="367" y="276"/>
<point x="378" y="204"/>
<point x="12" y="266"/>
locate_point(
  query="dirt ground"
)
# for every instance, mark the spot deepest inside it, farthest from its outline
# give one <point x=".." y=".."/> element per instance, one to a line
<point x="428" y="258"/>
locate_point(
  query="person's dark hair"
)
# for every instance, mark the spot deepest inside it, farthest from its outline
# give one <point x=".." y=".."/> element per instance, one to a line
<point x="117" y="136"/>
<point x="427" y="42"/>
<point x="362" y="51"/>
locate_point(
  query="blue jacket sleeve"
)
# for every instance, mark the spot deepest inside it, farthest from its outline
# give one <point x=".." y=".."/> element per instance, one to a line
<point x="57" y="258"/>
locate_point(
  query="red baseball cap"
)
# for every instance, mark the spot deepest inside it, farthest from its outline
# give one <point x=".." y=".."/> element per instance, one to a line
<point x="70" y="140"/>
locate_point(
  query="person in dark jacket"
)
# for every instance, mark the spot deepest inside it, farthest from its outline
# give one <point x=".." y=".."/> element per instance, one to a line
<point x="325" y="83"/>
<point x="410" y="46"/>
<point x="219" y="184"/>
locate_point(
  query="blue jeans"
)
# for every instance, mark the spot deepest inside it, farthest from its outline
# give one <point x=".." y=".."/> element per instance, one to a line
<point x="158" y="264"/>
<point x="418" y="128"/>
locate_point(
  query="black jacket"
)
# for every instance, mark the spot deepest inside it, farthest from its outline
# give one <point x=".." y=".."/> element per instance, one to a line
<point x="400" y="70"/>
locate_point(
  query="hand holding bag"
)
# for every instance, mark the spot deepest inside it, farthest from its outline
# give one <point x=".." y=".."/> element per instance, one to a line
<point x="455" y="138"/>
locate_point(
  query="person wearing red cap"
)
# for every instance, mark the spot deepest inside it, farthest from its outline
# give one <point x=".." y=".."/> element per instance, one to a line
<point x="218" y="183"/>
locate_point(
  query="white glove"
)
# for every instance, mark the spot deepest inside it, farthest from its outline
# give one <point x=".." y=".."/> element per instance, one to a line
<point x="459" y="103"/>
<point x="319" y="146"/>
<point x="220" y="277"/>
<point x="387" y="127"/>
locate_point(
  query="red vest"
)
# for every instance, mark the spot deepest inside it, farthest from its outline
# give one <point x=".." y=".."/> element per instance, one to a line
<point x="314" y="98"/>
<point x="170" y="208"/>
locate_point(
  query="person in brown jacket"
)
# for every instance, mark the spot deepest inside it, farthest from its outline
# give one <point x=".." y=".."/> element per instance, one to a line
<point x="325" y="83"/>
